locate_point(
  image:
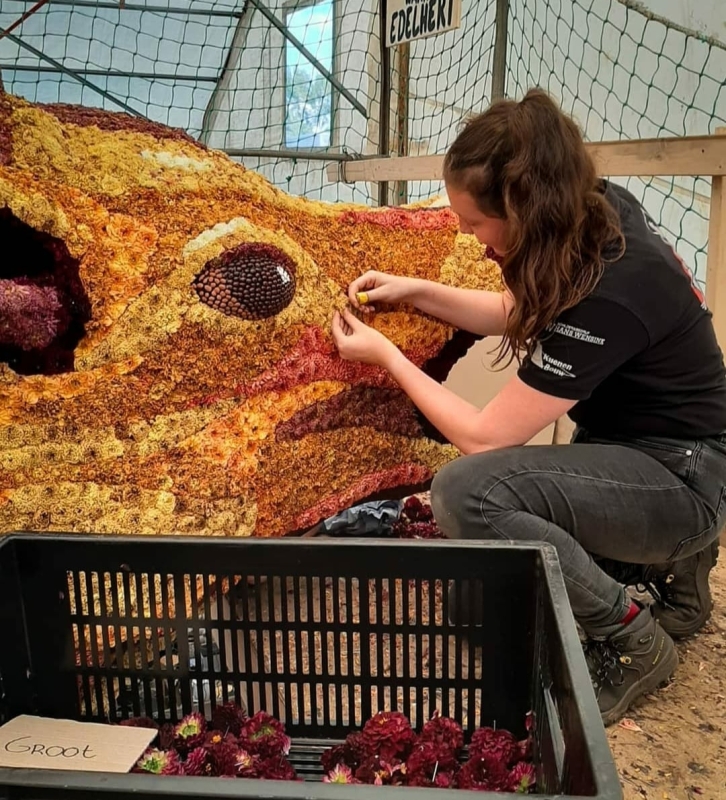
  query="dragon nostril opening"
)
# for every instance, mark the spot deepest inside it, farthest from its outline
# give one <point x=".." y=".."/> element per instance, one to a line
<point x="251" y="281"/>
<point x="44" y="307"/>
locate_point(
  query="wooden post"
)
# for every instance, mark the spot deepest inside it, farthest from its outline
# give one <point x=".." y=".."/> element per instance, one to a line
<point x="400" y="188"/>
<point x="384" y="130"/>
<point x="499" y="63"/>
<point x="716" y="263"/>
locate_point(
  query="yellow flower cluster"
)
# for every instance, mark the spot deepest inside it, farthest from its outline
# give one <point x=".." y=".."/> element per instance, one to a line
<point x="169" y="421"/>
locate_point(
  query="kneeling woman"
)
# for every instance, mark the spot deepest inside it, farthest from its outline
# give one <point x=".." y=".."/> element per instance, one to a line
<point x="608" y="327"/>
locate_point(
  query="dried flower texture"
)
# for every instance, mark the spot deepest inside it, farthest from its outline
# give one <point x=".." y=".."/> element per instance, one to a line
<point x="6" y="145"/>
<point x="179" y="374"/>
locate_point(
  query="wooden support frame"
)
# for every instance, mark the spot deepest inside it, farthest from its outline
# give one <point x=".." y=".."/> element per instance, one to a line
<point x="687" y="155"/>
<point x="716" y="261"/>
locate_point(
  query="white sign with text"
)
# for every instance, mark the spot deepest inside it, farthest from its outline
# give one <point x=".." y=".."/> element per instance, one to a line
<point x="415" y="19"/>
<point x="40" y="743"/>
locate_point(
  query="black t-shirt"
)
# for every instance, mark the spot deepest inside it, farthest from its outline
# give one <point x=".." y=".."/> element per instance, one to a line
<point x="640" y="353"/>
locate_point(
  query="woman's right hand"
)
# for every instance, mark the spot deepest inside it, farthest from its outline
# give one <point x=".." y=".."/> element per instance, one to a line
<point x="381" y="288"/>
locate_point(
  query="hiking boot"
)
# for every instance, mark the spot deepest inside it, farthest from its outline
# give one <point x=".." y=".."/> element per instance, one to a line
<point x="627" y="662"/>
<point x="681" y="591"/>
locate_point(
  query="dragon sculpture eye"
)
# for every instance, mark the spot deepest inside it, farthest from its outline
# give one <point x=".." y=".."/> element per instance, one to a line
<point x="251" y="281"/>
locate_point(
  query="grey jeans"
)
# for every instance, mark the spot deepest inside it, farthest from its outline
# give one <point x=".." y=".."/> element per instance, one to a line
<point x="642" y="501"/>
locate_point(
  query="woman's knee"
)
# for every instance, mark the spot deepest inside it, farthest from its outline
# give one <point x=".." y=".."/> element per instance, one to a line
<point x="478" y="496"/>
<point x="454" y="500"/>
<point x="444" y="495"/>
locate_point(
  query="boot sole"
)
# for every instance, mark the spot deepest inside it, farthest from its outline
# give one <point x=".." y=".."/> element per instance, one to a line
<point x="685" y="631"/>
<point x="649" y="683"/>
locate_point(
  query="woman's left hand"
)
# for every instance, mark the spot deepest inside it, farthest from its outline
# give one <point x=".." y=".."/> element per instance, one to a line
<point x="357" y="341"/>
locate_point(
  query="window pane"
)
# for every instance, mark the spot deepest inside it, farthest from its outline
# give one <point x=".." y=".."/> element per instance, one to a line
<point x="308" y="94"/>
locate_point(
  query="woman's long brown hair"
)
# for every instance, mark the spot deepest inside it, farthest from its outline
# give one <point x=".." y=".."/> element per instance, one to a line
<point x="526" y="162"/>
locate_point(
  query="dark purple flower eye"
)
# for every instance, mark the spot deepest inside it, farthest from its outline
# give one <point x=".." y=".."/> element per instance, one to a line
<point x="251" y="281"/>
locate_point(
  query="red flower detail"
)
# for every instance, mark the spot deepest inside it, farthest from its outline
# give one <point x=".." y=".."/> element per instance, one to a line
<point x="223" y="751"/>
<point x="190" y="733"/>
<point x="444" y="732"/>
<point x="334" y="757"/>
<point x="6" y="131"/>
<point x="420" y="219"/>
<point x="379" y="772"/>
<point x="441" y="780"/>
<point x="246" y="764"/>
<point x="340" y="774"/>
<point x="198" y="763"/>
<point x="525" y="749"/>
<point x="416" y="511"/>
<point x="116" y="121"/>
<point x="482" y="776"/>
<point x="313" y="358"/>
<point x="158" y="762"/>
<point x="265" y="736"/>
<point x="417" y="530"/>
<point x="494" y="746"/>
<point x="352" y="753"/>
<point x="229" y="718"/>
<point x="276" y="768"/>
<point x="389" y="735"/>
<point x="522" y="778"/>
<point x="166" y="736"/>
<point x="427" y="760"/>
<point x="386" y="410"/>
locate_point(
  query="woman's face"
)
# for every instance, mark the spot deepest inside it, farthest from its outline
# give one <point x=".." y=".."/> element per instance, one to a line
<point x="488" y="230"/>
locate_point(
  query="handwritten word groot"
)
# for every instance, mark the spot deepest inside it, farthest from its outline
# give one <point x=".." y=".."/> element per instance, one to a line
<point x="54" y="751"/>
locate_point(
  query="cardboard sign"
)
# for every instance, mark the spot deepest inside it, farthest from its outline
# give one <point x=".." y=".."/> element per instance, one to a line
<point x="407" y="20"/>
<point x="39" y="743"/>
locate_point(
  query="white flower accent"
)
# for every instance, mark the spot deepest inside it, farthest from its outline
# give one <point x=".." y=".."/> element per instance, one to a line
<point x="217" y="232"/>
<point x="172" y="161"/>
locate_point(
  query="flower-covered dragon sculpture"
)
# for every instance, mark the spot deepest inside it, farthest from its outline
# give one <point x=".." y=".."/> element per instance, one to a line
<point x="166" y="364"/>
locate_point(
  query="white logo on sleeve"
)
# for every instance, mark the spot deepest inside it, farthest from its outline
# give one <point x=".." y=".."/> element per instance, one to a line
<point x="575" y="333"/>
<point x="548" y="364"/>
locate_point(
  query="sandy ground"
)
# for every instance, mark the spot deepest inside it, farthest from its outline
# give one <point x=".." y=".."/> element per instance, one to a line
<point x="672" y="746"/>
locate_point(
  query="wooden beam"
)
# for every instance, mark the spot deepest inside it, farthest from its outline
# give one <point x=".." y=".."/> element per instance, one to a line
<point x="716" y="263"/>
<point x="688" y="155"/>
<point x="403" y="57"/>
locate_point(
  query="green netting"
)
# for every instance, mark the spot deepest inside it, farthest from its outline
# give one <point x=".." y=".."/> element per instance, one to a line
<point x="225" y="71"/>
<point x="220" y="69"/>
<point x="625" y="74"/>
<point x="449" y="77"/>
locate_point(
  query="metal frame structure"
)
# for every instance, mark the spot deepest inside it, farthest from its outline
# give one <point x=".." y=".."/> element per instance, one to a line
<point x="388" y="117"/>
<point x="53" y="66"/>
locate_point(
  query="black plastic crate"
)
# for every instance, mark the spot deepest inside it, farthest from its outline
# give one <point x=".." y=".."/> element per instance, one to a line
<point x="322" y="634"/>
